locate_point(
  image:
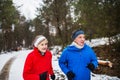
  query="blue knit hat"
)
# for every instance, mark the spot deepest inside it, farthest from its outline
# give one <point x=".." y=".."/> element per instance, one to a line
<point x="76" y="33"/>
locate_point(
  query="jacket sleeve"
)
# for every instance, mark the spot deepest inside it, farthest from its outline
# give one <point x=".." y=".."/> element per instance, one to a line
<point x="94" y="58"/>
<point x="63" y="62"/>
<point x="27" y="71"/>
<point x="51" y="68"/>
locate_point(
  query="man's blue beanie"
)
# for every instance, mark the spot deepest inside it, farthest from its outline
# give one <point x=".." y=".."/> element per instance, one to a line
<point x="76" y="33"/>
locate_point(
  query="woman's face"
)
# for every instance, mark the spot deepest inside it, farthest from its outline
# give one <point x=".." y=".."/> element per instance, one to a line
<point x="43" y="45"/>
<point x="80" y="39"/>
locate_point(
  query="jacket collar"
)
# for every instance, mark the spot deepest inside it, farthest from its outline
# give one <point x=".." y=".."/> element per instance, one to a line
<point x="76" y="45"/>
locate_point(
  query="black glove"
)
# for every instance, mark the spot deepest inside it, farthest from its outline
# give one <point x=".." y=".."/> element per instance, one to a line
<point x="43" y="76"/>
<point x="91" y="66"/>
<point x="53" y="77"/>
<point x="70" y="75"/>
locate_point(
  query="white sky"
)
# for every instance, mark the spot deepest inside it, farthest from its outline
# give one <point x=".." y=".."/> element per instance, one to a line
<point x="28" y="7"/>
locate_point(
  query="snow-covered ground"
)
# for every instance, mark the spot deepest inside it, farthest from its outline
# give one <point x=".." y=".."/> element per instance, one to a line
<point x="16" y="68"/>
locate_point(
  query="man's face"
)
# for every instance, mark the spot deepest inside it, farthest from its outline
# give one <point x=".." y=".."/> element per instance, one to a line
<point x="80" y="39"/>
<point x="42" y="46"/>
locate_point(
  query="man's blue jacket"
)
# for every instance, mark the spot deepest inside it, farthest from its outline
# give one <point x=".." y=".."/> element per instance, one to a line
<point x="76" y="60"/>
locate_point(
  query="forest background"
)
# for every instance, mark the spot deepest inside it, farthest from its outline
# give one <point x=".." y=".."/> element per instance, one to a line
<point x="57" y="19"/>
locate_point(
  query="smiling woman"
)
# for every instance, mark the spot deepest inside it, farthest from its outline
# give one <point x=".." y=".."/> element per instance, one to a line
<point x="38" y="64"/>
<point x="27" y="8"/>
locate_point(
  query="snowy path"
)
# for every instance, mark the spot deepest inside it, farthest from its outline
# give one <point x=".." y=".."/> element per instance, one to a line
<point x="11" y="65"/>
<point x="4" y="74"/>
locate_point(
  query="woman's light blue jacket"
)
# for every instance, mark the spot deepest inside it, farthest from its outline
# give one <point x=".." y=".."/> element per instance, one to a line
<point x="76" y="60"/>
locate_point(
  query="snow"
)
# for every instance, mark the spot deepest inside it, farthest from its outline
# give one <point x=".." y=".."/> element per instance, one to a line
<point x="5" y="57"/>
<point x="16" y="68"/>
<point x="97" y="42"/>
<point x="18" y="64"/>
